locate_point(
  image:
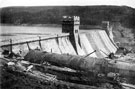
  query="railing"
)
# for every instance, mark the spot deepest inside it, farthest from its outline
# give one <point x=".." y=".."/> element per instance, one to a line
<point x="11" y="42"/>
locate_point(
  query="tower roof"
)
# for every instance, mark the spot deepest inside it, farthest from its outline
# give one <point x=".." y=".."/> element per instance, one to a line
<point x="71" y="20"/>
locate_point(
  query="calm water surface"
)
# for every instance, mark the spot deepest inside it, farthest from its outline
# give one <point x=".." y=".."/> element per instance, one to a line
<point x="18" y="32"/>
<point x="12" y="32"/>
<point x="29" y="29"/>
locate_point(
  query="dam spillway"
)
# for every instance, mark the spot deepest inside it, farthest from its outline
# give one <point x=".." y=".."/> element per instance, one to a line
<point x="71" y="41"/>
<point x="97" y="40"/>
<point x="93" y="40"/>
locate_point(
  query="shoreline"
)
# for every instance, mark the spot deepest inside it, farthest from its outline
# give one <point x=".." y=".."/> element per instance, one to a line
<point x="36" y="25"/>
<point x="87" y="27"/>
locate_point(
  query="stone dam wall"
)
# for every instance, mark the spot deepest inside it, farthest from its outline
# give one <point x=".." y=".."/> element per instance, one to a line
<point x="95" y="43"/>
<point x="94" y="40"/>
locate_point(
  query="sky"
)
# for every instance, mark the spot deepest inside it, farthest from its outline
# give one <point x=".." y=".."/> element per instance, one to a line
<point x="5" y="3"/>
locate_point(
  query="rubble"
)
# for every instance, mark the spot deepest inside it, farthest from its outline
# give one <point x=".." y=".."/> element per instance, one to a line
<point x="55" y="73"/>
<point x="35" y="79"/>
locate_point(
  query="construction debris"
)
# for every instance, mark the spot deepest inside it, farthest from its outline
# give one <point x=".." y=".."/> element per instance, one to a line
<point x="72" y="71"/>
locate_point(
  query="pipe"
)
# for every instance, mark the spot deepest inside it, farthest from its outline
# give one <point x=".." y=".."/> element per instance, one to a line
<point x="72" y="61"/>
<point x="97" y="65"/>
<point x="90" y="53"/>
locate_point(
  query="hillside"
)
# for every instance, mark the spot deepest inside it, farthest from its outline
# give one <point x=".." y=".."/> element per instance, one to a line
<point x="124" y="36"/>
<point x="90" y="15"/>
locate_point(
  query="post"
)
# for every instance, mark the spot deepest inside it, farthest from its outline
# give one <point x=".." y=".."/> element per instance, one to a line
<point x="40" y="43"/>
<point x="28" y="46"/>
<point x="11" y="46"/>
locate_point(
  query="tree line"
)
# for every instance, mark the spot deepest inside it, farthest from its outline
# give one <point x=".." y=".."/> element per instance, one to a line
<point x="89" y="15"/>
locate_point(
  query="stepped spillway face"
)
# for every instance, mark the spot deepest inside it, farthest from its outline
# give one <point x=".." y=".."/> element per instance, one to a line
<point x="97" y="40"/>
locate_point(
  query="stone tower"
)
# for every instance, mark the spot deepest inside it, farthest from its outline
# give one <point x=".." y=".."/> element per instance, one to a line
<point x="71" y="25"/>
<point x="107" y="28"/>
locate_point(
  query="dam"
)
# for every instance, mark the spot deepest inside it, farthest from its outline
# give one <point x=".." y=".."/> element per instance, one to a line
<point x="71" y="41"/>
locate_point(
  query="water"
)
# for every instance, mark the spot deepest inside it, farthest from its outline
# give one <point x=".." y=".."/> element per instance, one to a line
<point x="8" y="32"/>
<point x="11" y="32"/>
<point x="16" y="32"/>
<point x="29" y="29"/>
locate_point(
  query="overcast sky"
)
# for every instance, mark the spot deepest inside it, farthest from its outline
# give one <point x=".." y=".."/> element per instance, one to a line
<point x="5" y="3"/>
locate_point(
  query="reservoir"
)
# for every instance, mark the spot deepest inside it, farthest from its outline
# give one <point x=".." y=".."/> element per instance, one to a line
<point x="16" y="32"/>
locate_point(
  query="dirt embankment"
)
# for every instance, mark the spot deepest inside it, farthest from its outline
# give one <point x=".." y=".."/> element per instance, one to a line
<point x="123" y="36"/>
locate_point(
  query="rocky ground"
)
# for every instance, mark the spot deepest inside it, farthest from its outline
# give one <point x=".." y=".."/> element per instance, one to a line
<point x="49" y="77"/>
<point x="123" y="36"/>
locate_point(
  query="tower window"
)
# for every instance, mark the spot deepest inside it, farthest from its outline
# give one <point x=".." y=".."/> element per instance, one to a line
<point x="76" y="31"/>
